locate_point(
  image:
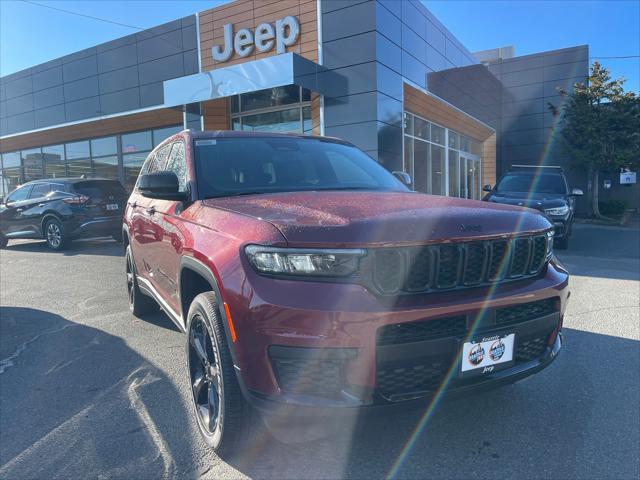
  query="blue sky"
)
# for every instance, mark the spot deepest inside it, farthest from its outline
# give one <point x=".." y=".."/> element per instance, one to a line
<point x="31" y="34"/>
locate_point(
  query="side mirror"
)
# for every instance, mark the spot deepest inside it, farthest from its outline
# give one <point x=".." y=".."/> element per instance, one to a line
<point x="161" y="185"/>
<point x="404" y="178"/>
<point x="487" y="188"/>
<point x="576" y="192"/>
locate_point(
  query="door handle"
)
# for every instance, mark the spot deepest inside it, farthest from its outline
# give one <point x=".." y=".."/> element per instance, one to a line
<point x="150" y="210"/>
<point x="19" y="210"/>
<point x="41" y="204"/>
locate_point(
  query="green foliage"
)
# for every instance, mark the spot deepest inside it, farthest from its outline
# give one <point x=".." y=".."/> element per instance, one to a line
<point x="612" y="207"/>
<point x="600" y="124"/>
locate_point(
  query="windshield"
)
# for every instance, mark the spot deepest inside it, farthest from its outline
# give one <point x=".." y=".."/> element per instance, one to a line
<point x="249" y="165"/>
<point x="532" y="183"/>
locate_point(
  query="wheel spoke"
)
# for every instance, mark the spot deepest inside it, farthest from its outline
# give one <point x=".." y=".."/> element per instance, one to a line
<point x="198" y="383"/>
<point x="214" y="376"/>
<point x="198" y="345"/>
<point x="213" y="407"/>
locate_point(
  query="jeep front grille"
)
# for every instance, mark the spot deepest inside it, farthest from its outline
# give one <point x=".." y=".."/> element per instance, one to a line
<point x="457" y="265"/>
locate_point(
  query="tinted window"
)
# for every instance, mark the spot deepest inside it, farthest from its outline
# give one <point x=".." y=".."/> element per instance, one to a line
<point x="529" y="182"/>
<point x="232" y="166"/>
<point x="77" y="150"/>
<point x="104" y="146"/>
<point x="178" y="165"/>
<point x="20" y="194"/>
<point x="99" y="189"/>
<point x="163" y="133"/>
<point x="40" y="190"/>
<point x="136" y="142"/>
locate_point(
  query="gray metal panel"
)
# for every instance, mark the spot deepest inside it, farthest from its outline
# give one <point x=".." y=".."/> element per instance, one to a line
<point x="363" y="135"/>
<point x="523" y="122"/>
<point x="49" y="116"/>
<point x="87" y="87"/>
<point x="568" y="55"/>
<point x="357" y="78"/>
<point x="189" y="38"/>
<point x="120" y="101"/>
<point x="151" y="94"/>
<point x="159" y="30"/>
<point x="18" y="105"/>
<point x="161" y="69"/>
<point x="87" y="52"/>
<point x="350" y="51"/>
<point x="388" y="24"/>
<point x="3" y="109"/>
<point x="117" y="58"/>
<point x="413" y="70"/>
<point x="566" y="84"/>
<point x="57" y="62"/>
<point x="389" y="82"/>
<point x="413" y="44"/>
<point x="435" y="37"/>
<point x="48" y="97"/>
<point x="17" y="88"/>
<point x="85" y="108"/>
<point x="388" y="53"/>
<point x="163" y="45"/>
<point x="565" y="70"/>
<point x="393" y="6"/>
<point x="435" y="60"/>
<point x="350" y="109"/>
<point x="78" y="69"/>
<point x="47" y="78"/>
<point x="523" y="137"/>
<point x="339" y="4"/>
<point x="19" y="123"/>
<point x="118" y="80"/>
<point x="117" y="43"/>
<point x="527" y="92"/>
<point x="522" y="77"/>
<point x="414" y="19"/>
<point x="348" y="21"/>
<point x="190" y="61"/>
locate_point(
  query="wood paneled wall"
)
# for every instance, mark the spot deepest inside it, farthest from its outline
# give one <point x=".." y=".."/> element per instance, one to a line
<point x="249" y="14"/>
<point x="216" y="114"/>
<point x="110" y="126"/>
<point x="489" y="160"/>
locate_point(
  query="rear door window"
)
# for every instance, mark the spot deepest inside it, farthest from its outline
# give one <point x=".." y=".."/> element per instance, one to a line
<point x="40" y="190"/>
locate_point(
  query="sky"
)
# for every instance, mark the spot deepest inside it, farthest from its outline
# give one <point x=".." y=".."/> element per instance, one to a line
<point x="31" y="34"/>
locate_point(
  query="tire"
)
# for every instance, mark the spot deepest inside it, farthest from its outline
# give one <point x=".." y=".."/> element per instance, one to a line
<point x="55" y="234"/>
<point x="225" y="419"/>
<point x="139" y="303"/>
<point x="3" y="241"/>
<point x="117" y="237"/>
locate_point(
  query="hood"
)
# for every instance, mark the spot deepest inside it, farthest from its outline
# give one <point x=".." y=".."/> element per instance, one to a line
<point x="538" y="201"/>
<point x="379" y="218"/>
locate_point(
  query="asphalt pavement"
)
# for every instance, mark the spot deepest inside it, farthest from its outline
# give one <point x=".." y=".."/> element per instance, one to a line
<point x="88" y="391"/>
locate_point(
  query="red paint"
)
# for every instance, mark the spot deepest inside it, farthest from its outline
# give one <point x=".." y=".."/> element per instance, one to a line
<point x="269" y="311"/>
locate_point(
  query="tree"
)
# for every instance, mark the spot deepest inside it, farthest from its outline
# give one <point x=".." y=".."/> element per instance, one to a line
<point x="600" y="127"/>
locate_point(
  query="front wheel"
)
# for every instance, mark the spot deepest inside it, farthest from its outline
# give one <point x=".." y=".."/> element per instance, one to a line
<point x="3" y="241"/>
<point x="55" y="234"/>
<point x="223" y="416"/>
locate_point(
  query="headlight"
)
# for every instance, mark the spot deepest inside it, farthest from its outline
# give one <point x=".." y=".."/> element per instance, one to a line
<point x="558" y="211"/>
<point x="550" y="244"/>
<point x="304" y="262"/>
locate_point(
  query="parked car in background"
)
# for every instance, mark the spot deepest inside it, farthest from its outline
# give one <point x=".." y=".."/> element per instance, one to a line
<point x="310" y="282"/>
<point x="62" y="209"/>
<point x="542" y="188"/>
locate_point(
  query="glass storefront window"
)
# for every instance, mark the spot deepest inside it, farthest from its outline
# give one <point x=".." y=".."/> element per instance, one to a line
<point x="136" y="142"/>
<point x="437" y="170"/>
<point x="408" y="124"/>
<point x="11" y="178"/>
<point x="32" y="166"/>
<point x="421" y="128"/>
<point x="437" y="134"/>
<point x="79" y="166"/>
<point x="307" y="126"/>
<point x="454" y="176"/>
<point x="454" y="140"/>
<point x="77" y="150"/>
<point x="54" y="162"/>
<point x="10" y="159"/>
<point x="106" y="167"/>
<point x="132" y="163"/>
<point x="161" y="134"/>
<point x="271" y="97"/>
<point x="408" y="157"/>
<point x="421" y="168"/>
<point x="464" y="143"/>
<point x="278" y="121"/>
<point x="104" y="146"/>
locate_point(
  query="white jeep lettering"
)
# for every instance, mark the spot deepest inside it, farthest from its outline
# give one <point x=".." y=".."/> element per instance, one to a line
<point x="285" y="34"/>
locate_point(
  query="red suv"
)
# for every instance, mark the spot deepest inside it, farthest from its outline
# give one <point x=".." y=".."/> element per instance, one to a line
<point x="310" y="280"/>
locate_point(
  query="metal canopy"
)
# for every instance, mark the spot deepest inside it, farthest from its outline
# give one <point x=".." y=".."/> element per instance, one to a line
<point x="270" y="72"/>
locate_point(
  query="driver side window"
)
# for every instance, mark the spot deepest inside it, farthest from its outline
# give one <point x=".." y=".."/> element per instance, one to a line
<point x="20" y="194"/>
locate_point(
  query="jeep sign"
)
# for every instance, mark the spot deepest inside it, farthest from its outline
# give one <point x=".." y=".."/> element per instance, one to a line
<point x="285" y="34"/>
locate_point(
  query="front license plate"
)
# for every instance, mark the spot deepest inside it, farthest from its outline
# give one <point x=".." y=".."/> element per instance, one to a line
<point x="487" y="354"/>
<point x="112" y="206"/>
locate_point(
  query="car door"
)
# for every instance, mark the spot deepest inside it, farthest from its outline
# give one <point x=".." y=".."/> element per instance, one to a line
<point x="146" y="234"/>
<point x="40" y="199"/>
<point x="12" y="222"/>
<point x="168" y="219"/>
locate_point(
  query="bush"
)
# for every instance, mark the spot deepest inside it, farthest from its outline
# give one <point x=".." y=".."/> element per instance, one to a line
<point x="612" y="207"/>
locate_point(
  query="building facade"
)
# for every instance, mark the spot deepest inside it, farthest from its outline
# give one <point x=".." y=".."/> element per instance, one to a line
<point x="385" y="75"/>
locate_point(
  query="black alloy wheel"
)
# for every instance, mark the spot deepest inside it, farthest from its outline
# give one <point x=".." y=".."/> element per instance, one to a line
<point x="204" y="372"/>
<point x="139" y="303"/>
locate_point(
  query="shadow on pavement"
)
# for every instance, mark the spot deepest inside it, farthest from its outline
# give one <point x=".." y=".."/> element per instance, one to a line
<point x="78" y="247"/>
<point x="76" y="402"/>
<point x="523" y="430"/>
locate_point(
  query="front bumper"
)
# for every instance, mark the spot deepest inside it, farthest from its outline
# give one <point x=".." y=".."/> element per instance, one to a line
<point x="296" y="350"/>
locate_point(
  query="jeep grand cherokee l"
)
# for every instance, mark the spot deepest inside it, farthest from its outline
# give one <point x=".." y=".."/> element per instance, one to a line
<point x="310" y="281"/>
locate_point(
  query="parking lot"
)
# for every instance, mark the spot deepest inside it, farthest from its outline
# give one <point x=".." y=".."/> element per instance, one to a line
<point x="88" y="391"/>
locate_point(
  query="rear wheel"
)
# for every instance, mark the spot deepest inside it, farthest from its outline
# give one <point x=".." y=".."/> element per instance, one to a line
<point x="55" y="234"/>
<point x="3" y="241"/>
<point x="224" y="418"/>
<point x="139" y="303"/>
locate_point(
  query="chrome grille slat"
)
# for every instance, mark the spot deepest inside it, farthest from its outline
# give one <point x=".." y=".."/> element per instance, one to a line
<point x="457" y="265"/>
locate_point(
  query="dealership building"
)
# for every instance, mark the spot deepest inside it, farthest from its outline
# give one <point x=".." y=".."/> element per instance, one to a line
<point x="385" y="75"/>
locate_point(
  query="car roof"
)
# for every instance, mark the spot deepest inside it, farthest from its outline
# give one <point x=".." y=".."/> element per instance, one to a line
<point x="240" y="134"/>
<point x="67" y="180"/>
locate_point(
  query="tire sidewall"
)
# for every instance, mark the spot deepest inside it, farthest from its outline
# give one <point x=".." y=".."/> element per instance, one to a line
<point x="213" y="440"/>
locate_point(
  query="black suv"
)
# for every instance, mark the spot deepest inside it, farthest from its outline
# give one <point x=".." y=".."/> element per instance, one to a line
<point x="542" y="188"/>
<point x="62" y="209"/>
